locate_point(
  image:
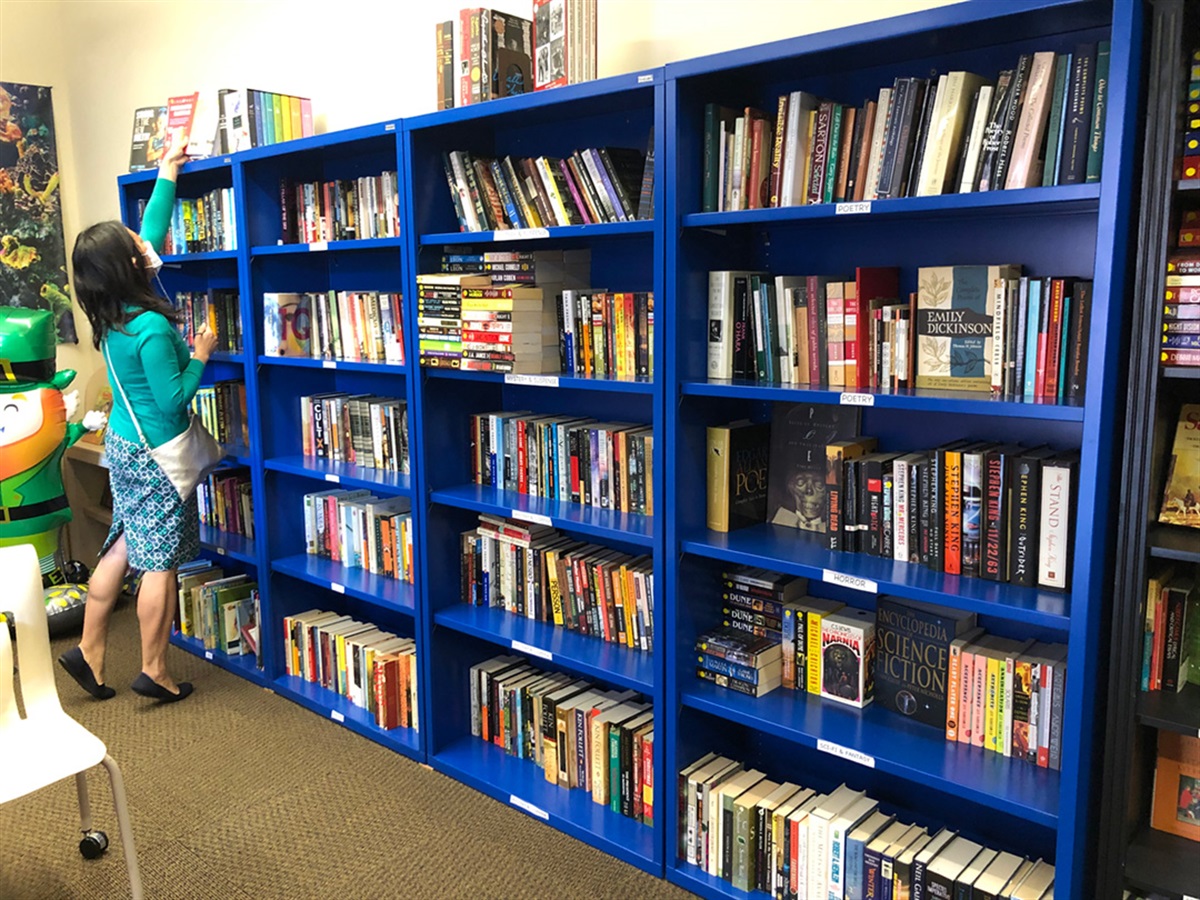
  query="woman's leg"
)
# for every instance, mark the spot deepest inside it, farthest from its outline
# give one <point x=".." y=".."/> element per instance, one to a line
<point x="156" y="611"/>
<point x="104" y="589"/>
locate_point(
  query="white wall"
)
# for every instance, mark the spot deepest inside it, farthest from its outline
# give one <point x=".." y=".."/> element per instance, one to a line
<point x="105" y="58"/>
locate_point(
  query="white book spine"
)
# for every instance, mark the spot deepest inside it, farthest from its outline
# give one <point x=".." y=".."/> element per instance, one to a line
<point x="818" y="856"/>
<point x="1031" y="126"/>
<point x="975" y="142"/>
<point x="1007" y="687"/>
<point x="871" y="189"/>
<point x="933" y="159"/>
<point x="835" y="879"/>
<point x="1055" y="517"/>
<point x="720" y="324"/>
<point x="900" y="473"/>
<point x="784" y="339"/>
<point x="739" y="139"/>
<point x="999" y="314"/>
<point x="724" y="141"/>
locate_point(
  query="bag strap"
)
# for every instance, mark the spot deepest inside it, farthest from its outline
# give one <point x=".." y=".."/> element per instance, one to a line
<point x="129" y="406"/>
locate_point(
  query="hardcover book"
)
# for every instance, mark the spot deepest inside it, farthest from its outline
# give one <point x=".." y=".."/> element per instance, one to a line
<point x="955" y="311"/>
<point x="1181" y="496"/>
<point x="912" y="661"/>
<point x="1176" y="804"/>
<point x="737" y="474"/>
<point x="796" y="483"/>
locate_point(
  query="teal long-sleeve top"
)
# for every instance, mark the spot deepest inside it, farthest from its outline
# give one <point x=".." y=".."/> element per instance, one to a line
<point x="150" y="358"/>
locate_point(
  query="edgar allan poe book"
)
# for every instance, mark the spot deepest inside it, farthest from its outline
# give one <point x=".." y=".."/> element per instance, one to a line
<point x="1181" y="495"/>
<point x="796" y="483"/>
<point x="913" y="656"/>
<point x="955" y="306"/>
<point x="737" y="474"/>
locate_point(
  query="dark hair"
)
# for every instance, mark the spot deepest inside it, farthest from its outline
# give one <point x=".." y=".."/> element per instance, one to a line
<point x="109" y="277"/>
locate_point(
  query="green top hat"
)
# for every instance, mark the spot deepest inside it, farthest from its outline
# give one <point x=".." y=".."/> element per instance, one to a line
<point x="27" y="351"/>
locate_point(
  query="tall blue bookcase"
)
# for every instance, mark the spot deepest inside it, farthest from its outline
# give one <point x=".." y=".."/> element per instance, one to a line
<point x="1075" y="230"/>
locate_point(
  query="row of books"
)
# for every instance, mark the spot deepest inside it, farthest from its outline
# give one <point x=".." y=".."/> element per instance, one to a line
<point x="492" y="50"/>
<point x="226" y="502"/>
<point x="582" y="736"/>
<point x="977" y="328"/>
<point x="339" y="210"/>
<point x="203" y="224"/>
<point x="361" y="531"/>
<point x="547" y="268"/>
<point x="608" y="465"/>
<point x="607" y="335"/>
<point x="1181" y="313"/>
<point x="464" y="322"/>
<point x="358" y="326"/>
<point x="539" y="573"/>
<point x="793" y="842"/>
<point x="1038" y="124"/>
<point x="222" y="409"/>
<point x="1171" y="639"/>
<point x="216" y="308"/>
<point x="361" y="429"/>
<point x="219" y="610"/>
<point x="594" y="185"/>
<point x="372" y="668"/>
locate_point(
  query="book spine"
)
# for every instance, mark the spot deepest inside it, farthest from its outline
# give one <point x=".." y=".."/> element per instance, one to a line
<point x="1095" y="156"/>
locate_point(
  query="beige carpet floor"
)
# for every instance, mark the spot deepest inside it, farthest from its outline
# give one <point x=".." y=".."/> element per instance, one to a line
<point x="239" y="793"/>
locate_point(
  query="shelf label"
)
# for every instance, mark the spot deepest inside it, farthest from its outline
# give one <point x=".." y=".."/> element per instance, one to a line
<point x="846" y="753"/>
<point x="329" y="364"/>
<point x="336" y="716"/>
<point x="853" y="209"/>
<point x="536" y="518"/>
<point x="646" y="79"/>
<point x="208" y="654"/>
<point x="520" y="234"/>
<point x="390" y="126"/>
<point x="532" y="651"/>
<point x="539" y="380"/>
<point x="851" y="581"/>
<point x="337" y="588"/>
<point x="318" y="246"/>
<point x="528" y="807"/>
<point x="220" y="551"/>
<point x="228" y="160"/>
<point x="850" y="399"/>
<point x="334" y="478"/>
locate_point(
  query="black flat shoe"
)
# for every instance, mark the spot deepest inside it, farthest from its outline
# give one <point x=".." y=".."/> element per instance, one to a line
<point x="145" y="686"/>
<point x="76" y="666"/>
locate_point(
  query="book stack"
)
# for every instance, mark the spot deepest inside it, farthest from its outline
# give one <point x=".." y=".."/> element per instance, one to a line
<point x="555" y="269"/>
<point x="201" y="224"/>
<point x="607" y="335"/>
<point x="225" y="501"/>
<point x="216" y="308"/>
<point x="440" y="317"/>
<point x="356" y="326"/>
<point x="538" y="573"/>
<point x="506" y="328"/>
<point x="591" y="186"/>
<point x="360" y="429"/>
<point x="1171" y="640"/>
<point x="1038" y="124"/>
<point x="372" y="668"/>
<point x="222" y="409"/>
<point x="342" y="210"/>
<point x="361" y="531"/>
<point x="494" y="52"/>
<point x="971" y="328"/>
<point x="564" y="37"/>
<point x="566" y="458"/>
<point x="1181" y="313"/>
<point x="582" y="736"/>
<point x="218" y="610"/>
<point x="794" y="842"/>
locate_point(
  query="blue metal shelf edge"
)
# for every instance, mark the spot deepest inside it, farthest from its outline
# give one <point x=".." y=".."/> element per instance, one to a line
<point x="696" y="880"/>
<point x="242" y="666"/>
<point x="224" y="543"/>
<point x="337" y="708"/>
<point x="345" y="365"/>
<point x="334" y="472"/>
<point x="385" y="593"/>
<point x="523" y="785"/>
<point x="911" y="750"/>
<point x="559" y="232"/>
<point x="586" y="655"/>
<point x="551" y="380"/>
<point x="785" y="550"/>
<point x="382" y="243"/>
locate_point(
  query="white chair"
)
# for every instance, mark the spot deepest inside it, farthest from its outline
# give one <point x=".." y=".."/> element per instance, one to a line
<point x="47" y="745"/>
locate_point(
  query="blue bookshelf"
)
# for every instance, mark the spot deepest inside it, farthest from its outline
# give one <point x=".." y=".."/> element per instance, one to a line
<point x="1081" y="230"/>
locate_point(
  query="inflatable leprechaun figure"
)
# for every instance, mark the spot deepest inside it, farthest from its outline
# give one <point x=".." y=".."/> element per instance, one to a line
<point x="34" y="433"/>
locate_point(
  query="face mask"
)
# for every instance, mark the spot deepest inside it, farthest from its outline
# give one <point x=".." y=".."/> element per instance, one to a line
<point x="153" y="260"/>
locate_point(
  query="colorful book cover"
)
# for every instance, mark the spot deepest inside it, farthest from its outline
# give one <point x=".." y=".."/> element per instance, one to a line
<point x="1181" y="496"/>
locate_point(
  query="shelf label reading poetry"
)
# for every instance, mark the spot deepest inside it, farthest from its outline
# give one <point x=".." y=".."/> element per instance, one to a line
<point x="335" y="478"/>
<point x="329" y="364"/>
<point x="850" y="399"/>
<point x="528" y="807"/>
<point x="336" y="716"/>
<point x="337" y="588"/>
<point x="536" y="518"/>
<point x="846" y="753"/>
<point x="520" y="234"/>
<point x="853" y="209"/>
<point x="522" y="647"/>
<point x="851" y="581"/>
<point x="538" y="380"/>
<point x="318" y="246"/>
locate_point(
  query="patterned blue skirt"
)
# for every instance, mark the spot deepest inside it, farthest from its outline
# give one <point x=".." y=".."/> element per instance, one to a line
<point x="161" y="531"/>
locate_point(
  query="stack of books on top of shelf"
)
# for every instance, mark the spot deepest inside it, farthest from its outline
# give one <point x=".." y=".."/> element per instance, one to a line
<point x="793" y="842"/>
<point x="360" y="429"/>
<point x="1181" y="314"/>
<point x="539" y="573"/>
<point x="1171" y="640"/>
<point x="566" y="268"/>
<point x="222" y="409"/>
<point x="201" y="224"/>
<point x="494" y="52"/>
<point x="1040" y="123"/>
<point x="357" y="326"/>
<point x="973" y="328"/>
<point x="216" y="308"/>
<point x="594" y="185"/>
<point x="372" y="668"/>
<point x="564" y="38"/>
<point x="219" y="610"/>
<point x="341" y="210"/>
<point x="361" y="531"/>
<point x="582" y="736"/>
<point x="226" y="502"/>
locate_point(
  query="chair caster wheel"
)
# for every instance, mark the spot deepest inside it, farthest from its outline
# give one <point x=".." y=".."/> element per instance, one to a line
<point x="93" y="845"/>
